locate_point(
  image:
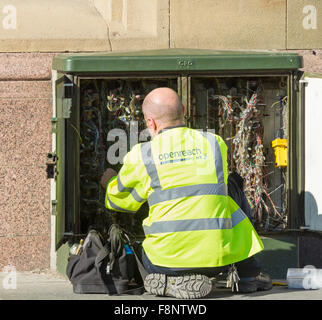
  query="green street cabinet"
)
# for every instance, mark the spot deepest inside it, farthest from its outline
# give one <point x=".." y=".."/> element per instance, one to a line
<point x="267" y="110"/>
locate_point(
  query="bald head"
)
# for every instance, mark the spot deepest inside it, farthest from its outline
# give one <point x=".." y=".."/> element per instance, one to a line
<point x="164" y="107"/>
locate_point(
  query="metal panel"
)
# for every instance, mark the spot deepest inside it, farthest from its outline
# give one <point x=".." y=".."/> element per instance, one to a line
<point x="280" y="253"/>
<point x="72" y="141"/>
<point x="184" y="85"/>
<point x="60" y="151"/>
<point x="65" y="205"/>
<point x="295" y="168"/>
<point x="176" y="60"/>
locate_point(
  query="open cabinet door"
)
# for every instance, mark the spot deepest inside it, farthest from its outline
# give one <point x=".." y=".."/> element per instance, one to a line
<point x="60" y="153"/>
<point x="63" y="98"/>
<point x="312" y="99"/>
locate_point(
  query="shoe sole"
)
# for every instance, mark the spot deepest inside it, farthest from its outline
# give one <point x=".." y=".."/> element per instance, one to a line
<point x="180" y="287"/>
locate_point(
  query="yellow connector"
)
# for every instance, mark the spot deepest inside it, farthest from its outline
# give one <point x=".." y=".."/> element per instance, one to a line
<point x="280" y="150"/>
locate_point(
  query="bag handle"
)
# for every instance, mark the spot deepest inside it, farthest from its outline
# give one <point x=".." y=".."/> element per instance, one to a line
<point x="104" y="252"/>
<point x="101" y="255"/>
<point x="142" y="270"/>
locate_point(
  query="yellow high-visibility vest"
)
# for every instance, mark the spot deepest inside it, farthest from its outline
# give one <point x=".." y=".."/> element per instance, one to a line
<point x="192" y="222"/>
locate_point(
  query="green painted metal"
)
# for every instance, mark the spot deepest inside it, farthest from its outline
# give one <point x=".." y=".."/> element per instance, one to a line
<point x="60" y="151"/>
<point x="176" y="60"/>
<point x="62" y="258"/>
<point x="280" y="253"/>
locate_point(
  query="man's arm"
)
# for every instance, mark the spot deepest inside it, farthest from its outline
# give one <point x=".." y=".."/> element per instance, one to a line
<point x="127" y="190"/>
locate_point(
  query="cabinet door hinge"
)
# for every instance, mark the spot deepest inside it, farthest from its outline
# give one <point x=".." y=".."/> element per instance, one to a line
<point x="51" y="164"/>
<point x="54" y="207"/>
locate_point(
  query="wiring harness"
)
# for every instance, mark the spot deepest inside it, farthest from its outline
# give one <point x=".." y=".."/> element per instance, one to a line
<point x="240" y="120"/>
<point x="108" y="104"/>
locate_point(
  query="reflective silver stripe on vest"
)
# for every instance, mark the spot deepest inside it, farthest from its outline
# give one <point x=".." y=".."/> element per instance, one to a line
<point x="196" y="224"/>
<point x="237" y="216"/>
<point x="116" y="207"/>
<point x="217" y="155"/>
<point x="187" y="191"/>
<point x="148" y="161"/>
<point x="132" y="191"/>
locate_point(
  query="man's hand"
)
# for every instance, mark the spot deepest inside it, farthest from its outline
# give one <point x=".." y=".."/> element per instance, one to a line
<point x="107" y="175"/>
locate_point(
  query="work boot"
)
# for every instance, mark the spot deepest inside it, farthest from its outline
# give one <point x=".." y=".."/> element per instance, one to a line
<point x="262" y="282"/>
<point x="182" y="287"/>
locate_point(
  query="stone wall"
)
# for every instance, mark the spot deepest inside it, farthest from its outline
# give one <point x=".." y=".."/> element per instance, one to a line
<point x="25" y="114"/>
<point x="102" y="25"/>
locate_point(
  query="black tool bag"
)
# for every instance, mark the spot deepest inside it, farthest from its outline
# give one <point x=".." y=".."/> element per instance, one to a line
<point x="112" y="268"/>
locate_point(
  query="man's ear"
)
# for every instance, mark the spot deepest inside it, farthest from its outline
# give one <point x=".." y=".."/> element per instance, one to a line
<point x="150" y="123"/>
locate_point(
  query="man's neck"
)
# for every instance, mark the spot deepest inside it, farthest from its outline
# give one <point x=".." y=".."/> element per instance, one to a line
<point x="171" y="126"/>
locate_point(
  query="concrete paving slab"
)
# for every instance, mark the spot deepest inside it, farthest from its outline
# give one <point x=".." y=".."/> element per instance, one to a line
<point x="53" y="286"/>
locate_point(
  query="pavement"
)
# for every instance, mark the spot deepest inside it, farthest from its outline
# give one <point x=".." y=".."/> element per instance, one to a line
<point x="49" y="285"/>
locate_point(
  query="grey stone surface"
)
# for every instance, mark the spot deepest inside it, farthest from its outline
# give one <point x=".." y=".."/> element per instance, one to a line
<point x="48" y="285"/>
